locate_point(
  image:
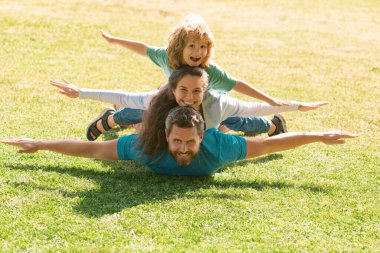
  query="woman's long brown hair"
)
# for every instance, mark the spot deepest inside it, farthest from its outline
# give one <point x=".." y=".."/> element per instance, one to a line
<point x="152" y="136"/>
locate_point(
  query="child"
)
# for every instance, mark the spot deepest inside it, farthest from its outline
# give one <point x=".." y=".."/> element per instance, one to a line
<point x="191" y="43"/>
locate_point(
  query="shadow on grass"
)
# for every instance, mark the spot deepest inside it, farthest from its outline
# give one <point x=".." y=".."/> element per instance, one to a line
<point x="129" y="184"/>
<point x="259" y="160"/>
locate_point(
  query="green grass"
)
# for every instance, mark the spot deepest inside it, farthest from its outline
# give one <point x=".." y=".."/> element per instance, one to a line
<point x="312" y="199"/>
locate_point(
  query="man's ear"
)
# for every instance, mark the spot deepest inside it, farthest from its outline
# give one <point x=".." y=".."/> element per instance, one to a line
<point x="167" y="135"/>
<point x="201" y="137"/>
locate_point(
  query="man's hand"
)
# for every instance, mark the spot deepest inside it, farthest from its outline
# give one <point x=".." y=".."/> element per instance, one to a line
<point x="66" y="88"/>
<point x="304" y="107"/>
<point x="27" y="145"/>
<point x="336" y="137"/>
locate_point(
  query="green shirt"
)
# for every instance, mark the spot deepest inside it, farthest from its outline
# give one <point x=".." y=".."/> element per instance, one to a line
<point x="218" y="78"/>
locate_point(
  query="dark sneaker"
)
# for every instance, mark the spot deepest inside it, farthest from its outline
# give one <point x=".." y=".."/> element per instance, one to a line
<point x="280" y="123"/>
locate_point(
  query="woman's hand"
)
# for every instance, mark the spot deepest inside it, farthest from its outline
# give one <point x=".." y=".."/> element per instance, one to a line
<point x="66" y="88"/>
<point x="304" y="107"/>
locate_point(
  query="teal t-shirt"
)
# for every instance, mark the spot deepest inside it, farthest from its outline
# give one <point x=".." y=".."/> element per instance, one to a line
<point x="218" y="78"/>
<point x="217" y="150"/>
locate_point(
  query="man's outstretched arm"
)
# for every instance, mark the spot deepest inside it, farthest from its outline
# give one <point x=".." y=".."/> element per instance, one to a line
<point x="106" y="150"/>
<point x="259" y="146"/>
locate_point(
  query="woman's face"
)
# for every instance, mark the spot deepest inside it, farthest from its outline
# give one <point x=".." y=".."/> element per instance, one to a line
<point x="190" y="91"/>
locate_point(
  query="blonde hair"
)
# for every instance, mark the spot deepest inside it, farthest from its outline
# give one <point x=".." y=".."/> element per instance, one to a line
<point x="192" y="27"/>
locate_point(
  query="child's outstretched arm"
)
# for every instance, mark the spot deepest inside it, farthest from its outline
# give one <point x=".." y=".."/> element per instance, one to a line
<point x="135" y="46"/>
<point x="247" y="89"/>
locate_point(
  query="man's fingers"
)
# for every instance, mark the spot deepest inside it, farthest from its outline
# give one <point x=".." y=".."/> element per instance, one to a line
<point x="18" y="139"/>
<point x="25" y="145"/>
<point x="339" y="141"/>
<point x="14" y="142"/>
<point x="348" y="135"/>
<point x="10" y="141"/>
<point x="341" y="134"/>
<point x="338" y="137"/>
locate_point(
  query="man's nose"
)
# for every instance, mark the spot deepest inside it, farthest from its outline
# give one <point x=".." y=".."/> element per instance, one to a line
<point x="183" y="148"/>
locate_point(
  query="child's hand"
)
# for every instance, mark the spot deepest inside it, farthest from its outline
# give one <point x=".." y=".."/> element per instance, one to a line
<point x="107" y="36"/>
<point x="66" y="88"/>
<point x="304" y="107"/>
<point x="278" y="102"/>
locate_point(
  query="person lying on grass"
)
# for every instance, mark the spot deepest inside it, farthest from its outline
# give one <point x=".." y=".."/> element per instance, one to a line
<point x="186" y="86"/>
<point x="192" y="43"/>
<point x="188" y="150"/>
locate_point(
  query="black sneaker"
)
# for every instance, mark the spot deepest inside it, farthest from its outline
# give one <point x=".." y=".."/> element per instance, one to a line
<point x="280" y="123"/>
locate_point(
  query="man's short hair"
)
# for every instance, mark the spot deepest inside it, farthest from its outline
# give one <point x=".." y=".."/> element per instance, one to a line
<point x="184" y="117"/>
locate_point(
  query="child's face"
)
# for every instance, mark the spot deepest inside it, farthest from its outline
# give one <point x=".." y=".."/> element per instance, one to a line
<point x="194" y="53"/>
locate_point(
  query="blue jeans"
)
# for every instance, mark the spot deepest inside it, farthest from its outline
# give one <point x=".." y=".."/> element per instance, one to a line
<point x="248" y="125"/>
<point x="128" y="116"/>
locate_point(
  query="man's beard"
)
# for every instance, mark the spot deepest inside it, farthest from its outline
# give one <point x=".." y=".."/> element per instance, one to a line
<point x="185" y="159"/>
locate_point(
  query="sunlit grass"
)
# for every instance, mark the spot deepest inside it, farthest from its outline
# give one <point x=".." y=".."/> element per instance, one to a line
<point x="316" y="198"/>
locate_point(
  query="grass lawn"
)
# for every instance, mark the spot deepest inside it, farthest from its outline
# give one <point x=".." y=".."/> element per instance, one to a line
<point x="313" y="199"/>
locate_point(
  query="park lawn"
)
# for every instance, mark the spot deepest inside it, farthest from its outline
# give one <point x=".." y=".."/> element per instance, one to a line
<point x="313" y="199"/>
